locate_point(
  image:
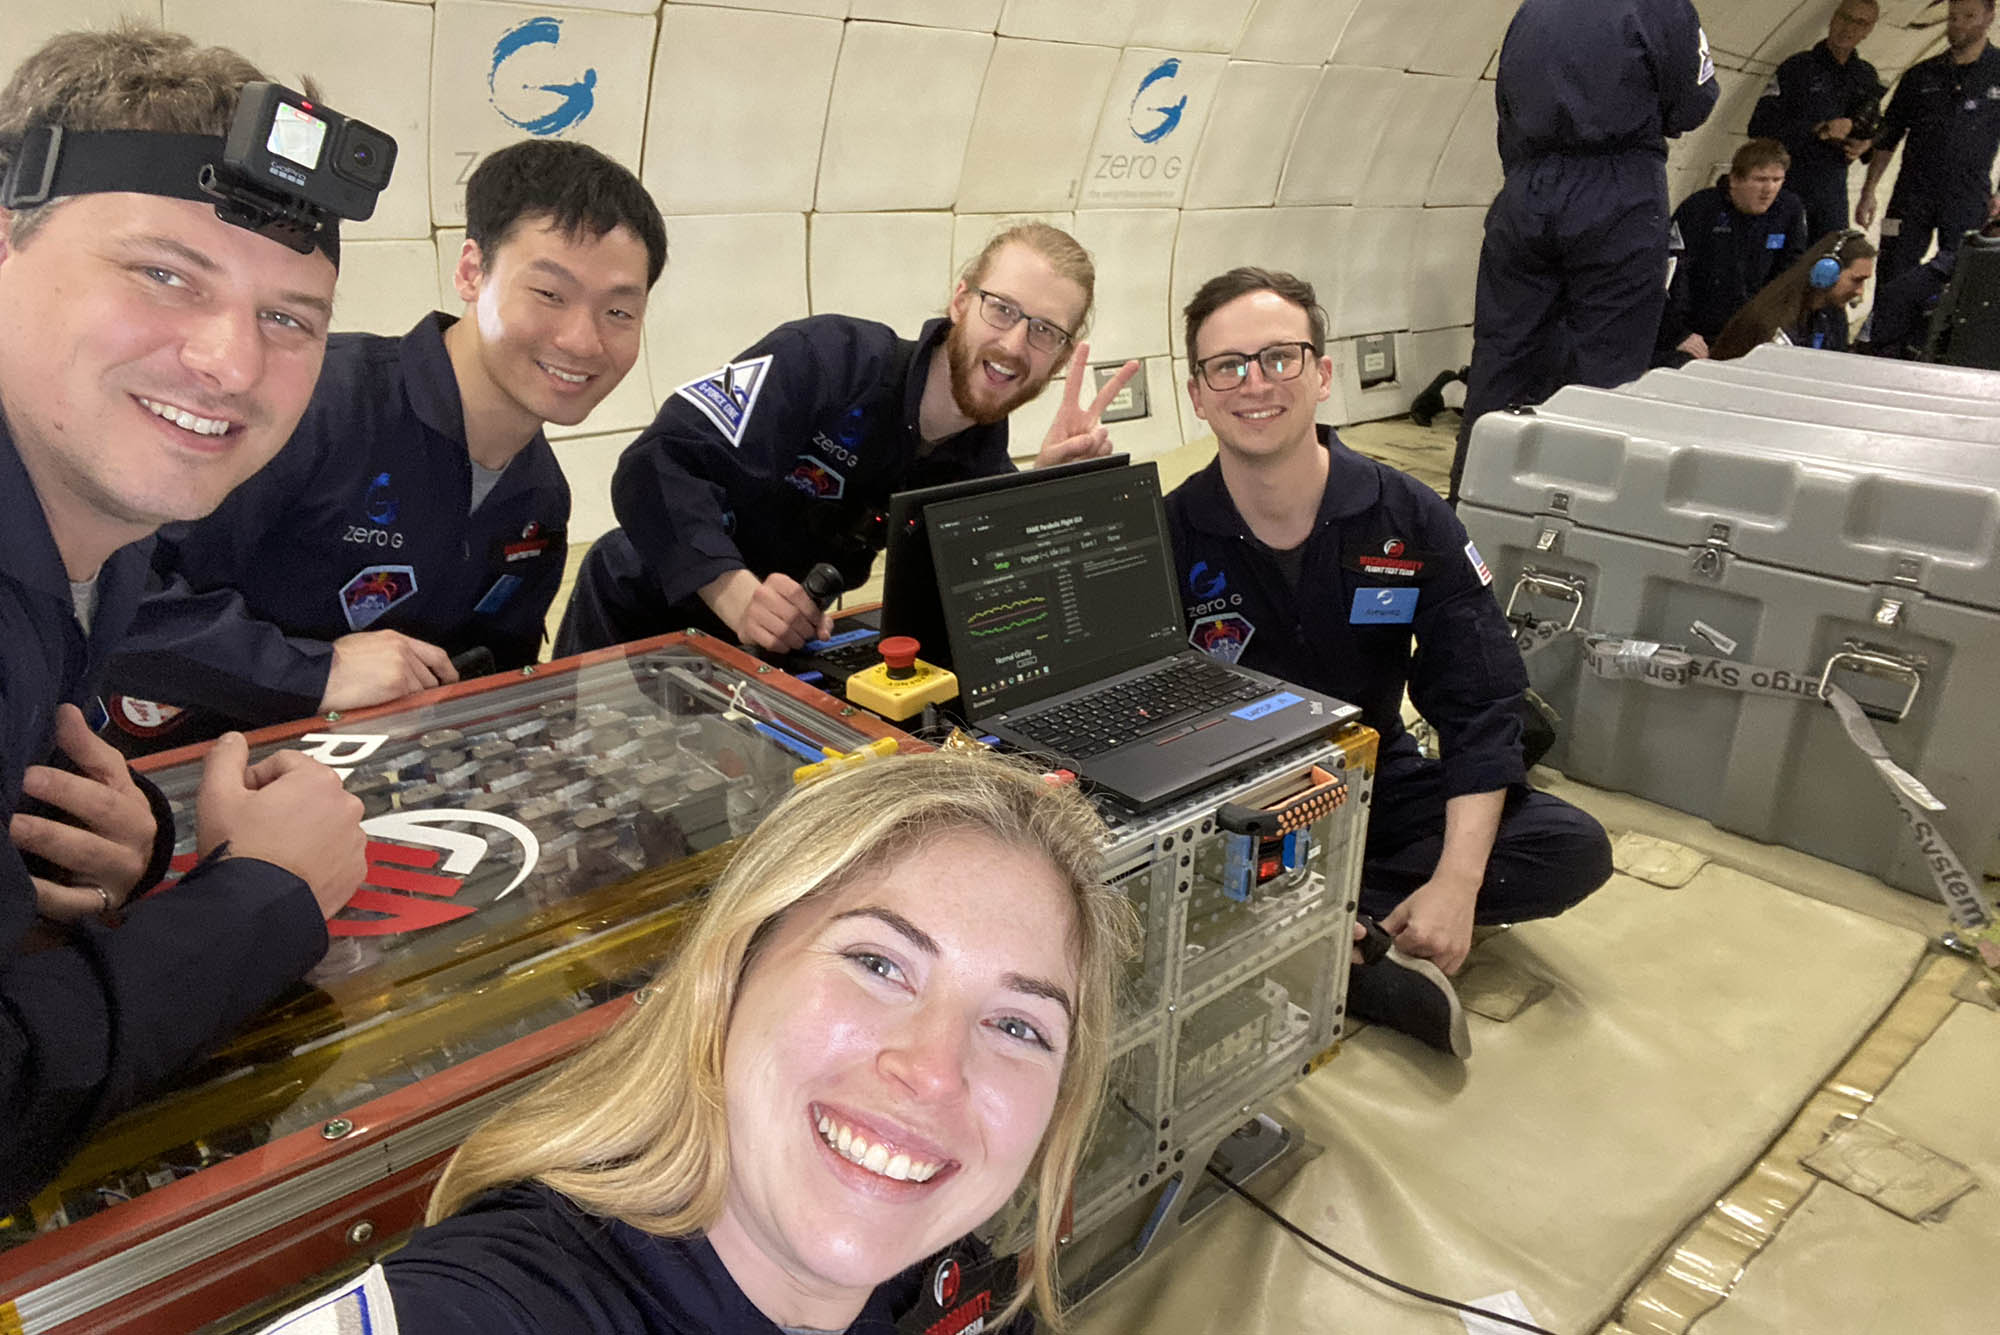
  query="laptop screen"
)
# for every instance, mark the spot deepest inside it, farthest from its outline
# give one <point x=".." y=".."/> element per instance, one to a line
<point x="909" y="580"/>
<point x="1053" y="587"/>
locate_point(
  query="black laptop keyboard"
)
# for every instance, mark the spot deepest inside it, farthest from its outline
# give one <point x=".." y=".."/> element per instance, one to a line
<point x="1169" y="697"/>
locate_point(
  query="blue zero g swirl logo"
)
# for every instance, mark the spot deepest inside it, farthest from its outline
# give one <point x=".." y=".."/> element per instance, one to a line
<point x="1169" y="115"/>
<point x="575" y="99"/>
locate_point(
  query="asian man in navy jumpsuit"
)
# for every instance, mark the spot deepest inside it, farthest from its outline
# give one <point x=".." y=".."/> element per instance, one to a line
<point x="1573" y="270"/>
<point x="1949" y="107"/>
<point x="152" y="356"/>
<point x="418" y="512"/>
<point x="787" y="456"/>
<point x="1815" y="106"/>
<point x="1303" y="559"/>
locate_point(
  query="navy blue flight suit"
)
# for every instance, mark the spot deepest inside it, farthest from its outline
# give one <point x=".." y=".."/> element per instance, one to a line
<point x="1573" y="271"/>
<point x="1951" y="114"/>
<point x="784" y="458"/>
<point x="1810" y="89"/>
<point x="525" y="1260"/>
<point x="1726" y="258"/>
<point x="359" y="523"/>
<point x="92" y="1023"/>
<point x="1391" y="593"/>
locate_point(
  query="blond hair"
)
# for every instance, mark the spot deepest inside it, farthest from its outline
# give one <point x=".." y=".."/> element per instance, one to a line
<point x="1064" y="253"/>
<point x="634" y="1127"/>
<point x="133" y="77"/>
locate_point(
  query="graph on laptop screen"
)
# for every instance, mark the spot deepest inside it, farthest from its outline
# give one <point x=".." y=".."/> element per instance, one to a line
<point x="1050" y="588"/>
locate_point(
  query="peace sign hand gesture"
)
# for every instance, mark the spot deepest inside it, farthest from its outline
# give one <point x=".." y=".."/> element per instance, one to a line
<point x="1075" y="432"/>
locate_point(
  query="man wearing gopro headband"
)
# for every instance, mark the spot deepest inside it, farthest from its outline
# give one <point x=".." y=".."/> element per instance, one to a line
<point x="415" y="522"/>
<point x="164" y="297"/>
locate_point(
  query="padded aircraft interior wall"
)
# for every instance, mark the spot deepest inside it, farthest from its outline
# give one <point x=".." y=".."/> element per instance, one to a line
<point x="849" y="155"/>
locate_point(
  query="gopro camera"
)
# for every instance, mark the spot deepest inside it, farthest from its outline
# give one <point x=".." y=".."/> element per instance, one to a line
<point x="283" y="143"/>
<point x="290" y="169"/>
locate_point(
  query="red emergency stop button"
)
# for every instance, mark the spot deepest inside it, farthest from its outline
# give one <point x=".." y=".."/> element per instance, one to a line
<point x="900" y="653"/>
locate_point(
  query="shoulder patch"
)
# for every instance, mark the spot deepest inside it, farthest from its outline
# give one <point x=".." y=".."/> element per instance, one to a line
<point x="1478" y="563"/>
<point x="727" y="397"/>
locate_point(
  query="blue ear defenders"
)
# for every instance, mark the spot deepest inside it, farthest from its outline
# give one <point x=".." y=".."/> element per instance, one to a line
<point x="1825" y="273"/>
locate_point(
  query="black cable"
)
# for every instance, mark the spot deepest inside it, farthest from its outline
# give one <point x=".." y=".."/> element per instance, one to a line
<point x="1355" y="1265"/>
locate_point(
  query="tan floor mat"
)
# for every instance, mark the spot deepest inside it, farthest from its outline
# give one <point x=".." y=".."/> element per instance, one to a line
<point x="1843" y="1265"/>
<point x="1683" y="1030"/>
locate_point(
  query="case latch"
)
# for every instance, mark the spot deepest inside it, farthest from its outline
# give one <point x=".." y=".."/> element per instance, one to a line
<point x="1544" y="584"/>
<point x="1875" y="661"/>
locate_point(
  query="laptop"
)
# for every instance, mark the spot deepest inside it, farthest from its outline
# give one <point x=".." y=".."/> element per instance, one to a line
<point x="909" y="581"/>
<point x="1065" y="627"/>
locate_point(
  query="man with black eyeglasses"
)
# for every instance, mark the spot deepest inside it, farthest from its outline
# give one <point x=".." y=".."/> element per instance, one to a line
<point x="787" y="456"/>
<point x="1300" y="558"/>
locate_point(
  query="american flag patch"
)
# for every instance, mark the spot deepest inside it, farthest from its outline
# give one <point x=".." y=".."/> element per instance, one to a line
<point x="1478" y="563"/>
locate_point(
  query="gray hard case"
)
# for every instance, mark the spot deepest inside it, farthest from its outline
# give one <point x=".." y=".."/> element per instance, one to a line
<point x="1742" y="374"/>
<point x="1812" y="403"/>
<point x="1792" y="539"/>
<point x="1886" y="372"/>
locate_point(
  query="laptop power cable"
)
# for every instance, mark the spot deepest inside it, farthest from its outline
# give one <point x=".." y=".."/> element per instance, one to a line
<point x="1356" y="1266"/>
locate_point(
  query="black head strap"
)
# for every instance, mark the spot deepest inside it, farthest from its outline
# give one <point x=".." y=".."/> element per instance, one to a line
<point x="48" y="162"/>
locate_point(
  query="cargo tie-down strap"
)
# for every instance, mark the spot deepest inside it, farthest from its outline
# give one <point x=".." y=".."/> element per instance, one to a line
<point x="1673" y="668"/>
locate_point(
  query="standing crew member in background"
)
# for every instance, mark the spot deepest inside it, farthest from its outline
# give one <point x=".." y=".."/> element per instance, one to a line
<point x="418" y="512"/>
<point x="1823" y="105"/>
<point x="152" y="356"/>
<point x="1573" y="271"/>
<point x="1949" y="106"/>
<point x="786" y="457"/>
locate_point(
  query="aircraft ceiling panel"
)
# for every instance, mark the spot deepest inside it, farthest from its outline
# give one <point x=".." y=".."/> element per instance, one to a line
<point x="1191" y="25"/>
<point x="1294" y="32"/>
<point x="1738" y="27"/>
<point x="1028" y="149"/>
<point x="1133" y="249"/>
<point x="1466" y="37"/>
<point x="1242" y="153"/>
<point x="974" y="15"/>
<point x="1102" y="22"/>
<point x="892" y="267"/>
<point x="1426" y="111"/>
<point x="872" y="158"/>
<point x="1371" y="288"/>
<point x="1343" y="122"/>
<point x="1469" y="170"/>
<point x="738" y="110"/>
<point x="730" y="279"/>
<point x="1444" y="267"/>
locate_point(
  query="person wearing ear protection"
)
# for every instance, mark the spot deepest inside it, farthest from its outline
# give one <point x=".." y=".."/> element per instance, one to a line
<point x="1573" y="266"/>
<point x="1806" y="305"/>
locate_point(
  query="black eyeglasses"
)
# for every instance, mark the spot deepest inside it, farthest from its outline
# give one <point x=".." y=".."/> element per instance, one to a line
<point x="1003" y="315"/>
<point x="1228" y="370"/>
